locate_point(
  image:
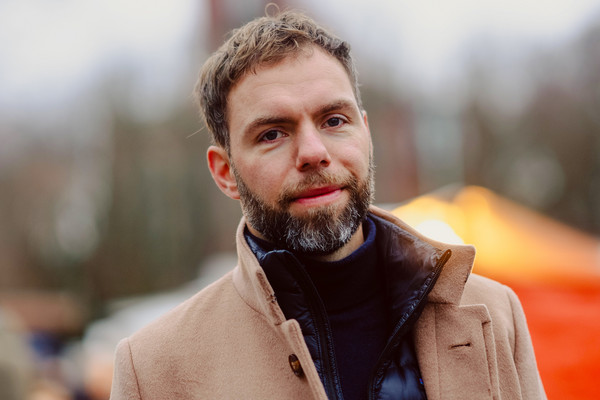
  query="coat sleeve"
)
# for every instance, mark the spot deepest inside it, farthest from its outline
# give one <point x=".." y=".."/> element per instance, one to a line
<point x="530" y="381"/>
<point x="125" y="384"/>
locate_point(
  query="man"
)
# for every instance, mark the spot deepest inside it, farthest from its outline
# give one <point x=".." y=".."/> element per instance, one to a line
<point x="331" y="297"/>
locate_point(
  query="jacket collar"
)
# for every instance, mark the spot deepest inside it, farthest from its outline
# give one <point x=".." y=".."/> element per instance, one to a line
<point x="450" y="285"/>
<point x="253" y="285"/>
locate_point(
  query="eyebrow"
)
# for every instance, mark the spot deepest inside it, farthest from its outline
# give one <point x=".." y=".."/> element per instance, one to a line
<point x="264" y="121"/>
<point x="276" y="120"/>
<point x="342" y="104"/>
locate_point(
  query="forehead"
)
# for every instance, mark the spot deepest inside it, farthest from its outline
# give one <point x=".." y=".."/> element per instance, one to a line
<point x="297" y="83"/>
<point x="310" y="60"/>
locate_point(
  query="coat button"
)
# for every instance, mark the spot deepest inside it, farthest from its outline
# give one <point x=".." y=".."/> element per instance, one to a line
<point x="295" y="365"/>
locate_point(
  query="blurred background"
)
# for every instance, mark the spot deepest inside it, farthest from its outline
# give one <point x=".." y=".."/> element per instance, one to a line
<point x="485" y="118"/>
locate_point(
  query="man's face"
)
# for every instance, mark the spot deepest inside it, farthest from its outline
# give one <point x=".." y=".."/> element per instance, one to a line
<point x="300" y="153"/>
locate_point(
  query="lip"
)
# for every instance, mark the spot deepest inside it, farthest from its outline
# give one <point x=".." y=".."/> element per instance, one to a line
<point x="318" y="195"/>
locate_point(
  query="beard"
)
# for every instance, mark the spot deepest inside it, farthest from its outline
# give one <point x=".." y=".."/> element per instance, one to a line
<point x="322" y="230"/>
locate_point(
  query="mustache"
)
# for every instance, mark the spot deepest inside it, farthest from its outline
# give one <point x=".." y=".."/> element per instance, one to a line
<point x="318" y="178"/>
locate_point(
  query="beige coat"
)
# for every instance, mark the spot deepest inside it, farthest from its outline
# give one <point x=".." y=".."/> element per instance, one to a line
<point x="232" y="341"/>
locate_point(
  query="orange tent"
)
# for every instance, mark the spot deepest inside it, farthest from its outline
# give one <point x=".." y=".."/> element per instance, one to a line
<point x="554" y="269"/>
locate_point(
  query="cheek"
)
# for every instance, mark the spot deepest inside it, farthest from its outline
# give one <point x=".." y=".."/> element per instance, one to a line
<point x="356" y="159"/>
<point x="264" y="182"/>
<point x="265" y="174"/>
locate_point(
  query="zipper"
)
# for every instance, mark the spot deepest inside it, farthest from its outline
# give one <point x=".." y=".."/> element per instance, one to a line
<point x="331" y="381"/>
<point x="401" y="327"/>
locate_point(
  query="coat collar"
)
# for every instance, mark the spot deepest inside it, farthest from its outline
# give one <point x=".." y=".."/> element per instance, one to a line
<point x="450" y="285"/>
<point x="251" y="282"/>
<point x="253" y="285"/>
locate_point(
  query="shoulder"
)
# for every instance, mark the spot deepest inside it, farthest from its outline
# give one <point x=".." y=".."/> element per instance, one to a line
<point x="175" y="333"/>
<point x="191" y="315"/>
<point x="480" y="287"/>
<point x="151" y="358"/>
<point x="502" y="303"/>
<point x="482" y="290"/>
<point x="203" y="324"/>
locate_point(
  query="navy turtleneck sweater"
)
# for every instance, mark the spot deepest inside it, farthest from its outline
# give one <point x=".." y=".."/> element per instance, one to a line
<point x="352" y="291"/>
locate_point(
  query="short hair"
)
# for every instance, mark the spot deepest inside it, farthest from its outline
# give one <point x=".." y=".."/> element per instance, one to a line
<point x="265" y="40"/>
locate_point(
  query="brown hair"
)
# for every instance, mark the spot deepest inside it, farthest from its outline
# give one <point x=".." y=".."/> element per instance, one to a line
<point x="265" y="40"/>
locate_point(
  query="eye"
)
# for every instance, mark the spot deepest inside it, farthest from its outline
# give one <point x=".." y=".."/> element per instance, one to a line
<point x="271" y="135"/>
<point x="334" y="122"/>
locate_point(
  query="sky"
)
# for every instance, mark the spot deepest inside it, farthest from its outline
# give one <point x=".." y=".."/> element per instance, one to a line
<point x="427" y="41"/>
<point x="52" y="51"/>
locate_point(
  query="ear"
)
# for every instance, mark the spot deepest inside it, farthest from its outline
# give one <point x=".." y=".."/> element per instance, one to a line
<point x="366" y="121"/>
<point x="220" y="169"/>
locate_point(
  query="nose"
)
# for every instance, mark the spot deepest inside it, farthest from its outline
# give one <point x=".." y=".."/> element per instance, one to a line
<point x="312" y="153"/>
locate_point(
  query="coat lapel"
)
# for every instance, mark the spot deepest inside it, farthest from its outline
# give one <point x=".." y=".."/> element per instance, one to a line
<point x="455" y="343"/>
<point x="455" y="348"/>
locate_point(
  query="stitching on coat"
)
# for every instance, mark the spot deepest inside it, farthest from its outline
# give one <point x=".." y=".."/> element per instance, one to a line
<point x="137" y="383"/>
